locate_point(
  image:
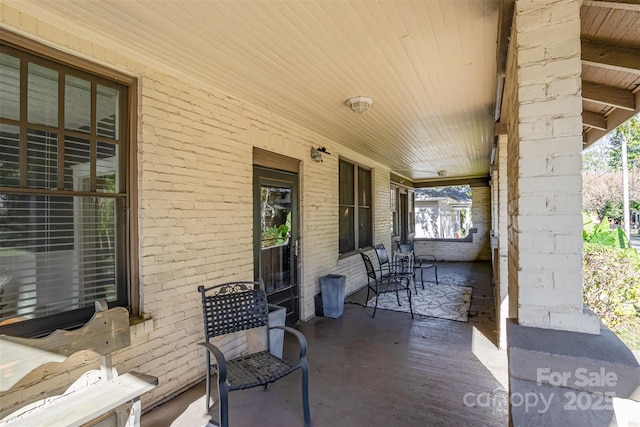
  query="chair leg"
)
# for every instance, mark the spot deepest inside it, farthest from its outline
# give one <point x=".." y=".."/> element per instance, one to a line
<point x="410" y="306"/>
<point x="223" y="406"/>
<point x="367" y="300"/>
<point x="305" y="393"/>
<point x="435" y="269"/>
<point x="375" y="307"/>
<point x="208" y="381"/>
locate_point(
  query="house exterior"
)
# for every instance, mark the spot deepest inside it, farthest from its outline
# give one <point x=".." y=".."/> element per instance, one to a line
<point x="186" y="190"/>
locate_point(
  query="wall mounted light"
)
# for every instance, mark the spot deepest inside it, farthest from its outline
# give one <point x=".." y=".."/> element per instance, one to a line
<point x="359" y="104"/>
<point x="316" y="156"/>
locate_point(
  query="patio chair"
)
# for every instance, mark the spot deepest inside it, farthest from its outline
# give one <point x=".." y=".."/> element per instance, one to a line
<point x="242" y="306"/>
<point x="421" y="262"/>
<point x="381" y="281"/>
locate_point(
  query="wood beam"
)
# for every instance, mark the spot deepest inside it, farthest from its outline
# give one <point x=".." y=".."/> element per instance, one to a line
<point x="611" y="56"/>
<point x="614" y="119"/>
<point x="499" y="128"/>
<point x="632" y="5"/>
<point x="608" y="95"/>
<point x="594" y="120"/>
<point x="505" y="20"/>
<point x="481" y="181"/>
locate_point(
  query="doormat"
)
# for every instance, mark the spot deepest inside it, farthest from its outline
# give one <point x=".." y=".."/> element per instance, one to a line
<point x="442" y="301"/>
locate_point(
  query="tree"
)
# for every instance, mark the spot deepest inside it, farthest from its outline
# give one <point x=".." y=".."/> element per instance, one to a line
<point x="630" y="131"/>
<point x="602" y="171"/>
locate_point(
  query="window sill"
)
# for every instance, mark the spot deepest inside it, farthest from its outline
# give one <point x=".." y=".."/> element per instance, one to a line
<point x="353" y="253"/>
<point x="467" y="239"/>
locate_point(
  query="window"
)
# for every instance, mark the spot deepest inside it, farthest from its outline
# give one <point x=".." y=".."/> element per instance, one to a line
<point x="393" y="198"/>
<point x="64" y="193"/>
<point x="354" y="207"/>
<point x="411" y="209"/>
<point x="443" y="212"/>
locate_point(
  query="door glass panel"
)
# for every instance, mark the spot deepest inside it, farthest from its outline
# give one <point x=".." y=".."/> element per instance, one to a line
<point x="276" y="242"/>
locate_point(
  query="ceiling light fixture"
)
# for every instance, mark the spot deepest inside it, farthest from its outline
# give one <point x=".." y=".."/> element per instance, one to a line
<point x="359" y="104"/>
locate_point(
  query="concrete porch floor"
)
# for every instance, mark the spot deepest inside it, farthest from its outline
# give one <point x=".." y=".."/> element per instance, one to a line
<point x="387" y="371"/>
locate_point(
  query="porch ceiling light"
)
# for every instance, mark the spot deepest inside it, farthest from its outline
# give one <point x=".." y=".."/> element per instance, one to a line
<point x="359" y="104"/>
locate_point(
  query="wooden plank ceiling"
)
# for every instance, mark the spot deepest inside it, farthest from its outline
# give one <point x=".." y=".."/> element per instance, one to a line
<point x="429" y="66"/>
<point x="610" y="35"/>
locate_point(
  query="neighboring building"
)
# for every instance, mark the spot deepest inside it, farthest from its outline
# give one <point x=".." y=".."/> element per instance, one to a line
<point x="440" y="216"/>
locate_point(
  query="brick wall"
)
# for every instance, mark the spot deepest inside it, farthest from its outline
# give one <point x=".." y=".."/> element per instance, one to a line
<point x="479" y="249"/>
<point x="195" y="148"/>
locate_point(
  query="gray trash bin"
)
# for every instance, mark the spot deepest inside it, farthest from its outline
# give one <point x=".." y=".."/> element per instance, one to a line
<point x="332" y="289"/>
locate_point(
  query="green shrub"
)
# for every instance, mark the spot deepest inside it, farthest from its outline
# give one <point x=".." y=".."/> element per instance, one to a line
<point x="602" y="233"/>
<point x="611" y="282"/>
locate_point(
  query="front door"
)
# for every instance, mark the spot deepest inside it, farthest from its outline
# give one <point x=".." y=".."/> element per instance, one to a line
<point x="275" y="237"/>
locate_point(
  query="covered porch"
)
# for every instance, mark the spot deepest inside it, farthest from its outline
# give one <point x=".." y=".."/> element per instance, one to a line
<point x="386" y="371"/>
<point x="192" y="100"/>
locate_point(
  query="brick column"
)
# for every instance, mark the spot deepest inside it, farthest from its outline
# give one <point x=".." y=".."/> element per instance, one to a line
<point x="543" y="91"/>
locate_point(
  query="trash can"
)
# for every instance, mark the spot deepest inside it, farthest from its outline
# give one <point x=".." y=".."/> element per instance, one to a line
<point x="332" y="290"/>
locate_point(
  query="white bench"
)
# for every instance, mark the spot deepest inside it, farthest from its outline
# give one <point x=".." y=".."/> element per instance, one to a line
<point x="103" y="396"/>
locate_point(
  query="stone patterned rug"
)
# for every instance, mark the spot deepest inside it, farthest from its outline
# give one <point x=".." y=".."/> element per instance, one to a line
<point x="443" y="301"/>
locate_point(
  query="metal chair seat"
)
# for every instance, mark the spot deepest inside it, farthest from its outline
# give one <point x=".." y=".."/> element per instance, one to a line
<point x="386" y="279"/>
<point x="421" y="262"/>
<point x="255" y="370"/>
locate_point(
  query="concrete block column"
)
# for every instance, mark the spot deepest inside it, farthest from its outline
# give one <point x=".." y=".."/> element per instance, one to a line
<point x="543" y="89"/>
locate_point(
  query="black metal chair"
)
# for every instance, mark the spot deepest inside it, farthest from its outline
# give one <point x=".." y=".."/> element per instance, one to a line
<point x="384" y="280"/>
<point x="421" y="262"/>
<point x="242" y="306"/>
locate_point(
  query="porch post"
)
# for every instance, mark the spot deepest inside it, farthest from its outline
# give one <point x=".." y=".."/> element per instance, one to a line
<point x="503" y="306"/>
<point x="544" y="166"/>
<point x="553" y="341"/>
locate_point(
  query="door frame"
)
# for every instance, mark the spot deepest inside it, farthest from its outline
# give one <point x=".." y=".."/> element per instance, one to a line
<point x="267" y="176"/>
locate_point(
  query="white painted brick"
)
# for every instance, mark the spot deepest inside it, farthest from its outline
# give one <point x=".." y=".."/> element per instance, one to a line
<point x="550" y="184"/>
<point x="553" y="107"/>
<point x="538" y="128"/>
<point x="576" y="321"/>
<point x="567" y="126"/>
<point x="555" y="223"/>
<point x="534" y="316"/>
<point x="568" y="244"/>
<point x="567" y="280"/>
<point x="562" y="48"/>
<point x="561" y="146"/>
<point x="540" y="35"/>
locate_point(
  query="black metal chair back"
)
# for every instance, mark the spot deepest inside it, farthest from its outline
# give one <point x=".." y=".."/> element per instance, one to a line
<point x="368" y="265"/>
<point x="383" y="259"/>
<point x="405" y="245"/>
<point x="225" y="308"/>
